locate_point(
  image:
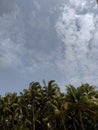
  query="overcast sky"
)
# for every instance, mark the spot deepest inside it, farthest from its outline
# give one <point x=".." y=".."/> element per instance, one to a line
<point x="48" y="39"/>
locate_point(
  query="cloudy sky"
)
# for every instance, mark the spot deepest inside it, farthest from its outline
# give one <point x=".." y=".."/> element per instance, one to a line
<point x="43" y="39"/>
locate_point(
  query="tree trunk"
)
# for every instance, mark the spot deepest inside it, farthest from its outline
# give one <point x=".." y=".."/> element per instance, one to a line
<point x="82" y="125"/>
<point x="33" y="120"/>
<point x="74" y="126"/>
<point x="63" y="124"/>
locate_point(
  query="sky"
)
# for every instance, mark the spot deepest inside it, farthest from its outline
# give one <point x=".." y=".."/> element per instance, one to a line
<point x="48" y="40"/>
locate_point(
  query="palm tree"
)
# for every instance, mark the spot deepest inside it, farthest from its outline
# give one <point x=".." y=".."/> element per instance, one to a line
<point x="91" y="100"/>
<point x="23" y="102"/>
<point x="75" y="104"/>
<point x="35" y="91"/>
<point x="46" y="108"/>
<point x="53" y="100"/>
<point x="81" y="105"/>
<point x="31" y="98"/>
<point x="4" y="112"/>
<point x="14" y="109"/>
<point x="9" y="110"/>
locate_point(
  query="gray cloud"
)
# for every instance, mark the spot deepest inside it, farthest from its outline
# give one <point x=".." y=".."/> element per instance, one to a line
<point x="7" y="6"/>
<point x="29" y="33"/>
<point x="29" y="42"/>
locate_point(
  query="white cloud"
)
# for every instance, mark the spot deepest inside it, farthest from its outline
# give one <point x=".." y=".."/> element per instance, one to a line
<point x="76" y="27"/>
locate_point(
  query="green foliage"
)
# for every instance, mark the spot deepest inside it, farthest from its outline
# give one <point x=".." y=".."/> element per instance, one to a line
<point x="47" y="108"/>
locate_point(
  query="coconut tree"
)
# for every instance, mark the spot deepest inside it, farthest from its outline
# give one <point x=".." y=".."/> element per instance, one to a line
<point x="30" y="98"/>
<point x="35" y="95"/>
<point x="23" y="102"/>
<point x="91" y="100"/>
<point x="80" y="106"/>
<point x="53" y="100"/>
<point x="76" y="105"/>
<point x="14" y="109"/>
<point x="4" y="112"/>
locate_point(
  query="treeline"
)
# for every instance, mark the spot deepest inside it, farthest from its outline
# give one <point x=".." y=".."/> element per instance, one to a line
<point x="47" y="108"/>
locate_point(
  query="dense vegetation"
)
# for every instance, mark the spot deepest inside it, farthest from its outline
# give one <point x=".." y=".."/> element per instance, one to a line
<point x="47" y="108"/>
